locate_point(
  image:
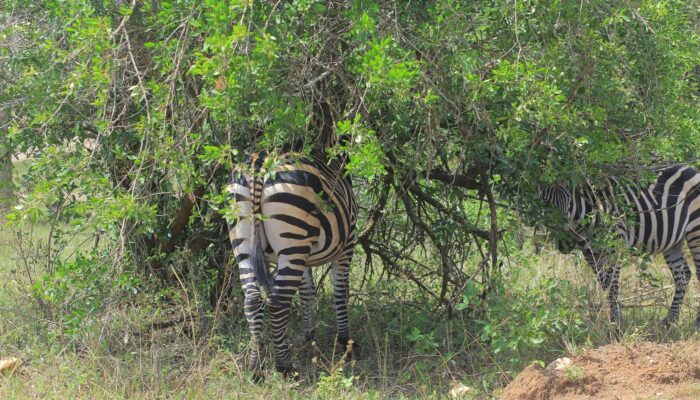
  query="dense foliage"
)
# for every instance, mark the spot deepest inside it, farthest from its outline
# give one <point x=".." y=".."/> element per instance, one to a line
<point x="135" y="111"/>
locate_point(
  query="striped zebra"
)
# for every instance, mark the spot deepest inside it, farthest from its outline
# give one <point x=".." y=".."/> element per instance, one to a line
<point x="653" y="219"/>
<point x="297" y="211"/>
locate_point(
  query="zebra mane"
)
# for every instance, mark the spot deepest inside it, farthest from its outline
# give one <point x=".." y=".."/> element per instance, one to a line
<point x="555" y="193"/>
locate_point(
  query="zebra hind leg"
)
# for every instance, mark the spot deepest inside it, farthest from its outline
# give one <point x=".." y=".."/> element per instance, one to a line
<point x="340" y="274"/>
<point x="253" y="307"/>
<point x="254" y="312"/>
<point x="694" y="246"/>
<point x="681" y="276"/>
<point x="307" y="292"/>
<point x="290" y="269"/>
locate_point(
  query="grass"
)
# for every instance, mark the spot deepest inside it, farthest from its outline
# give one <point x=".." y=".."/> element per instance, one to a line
<point x="409" y="350"/>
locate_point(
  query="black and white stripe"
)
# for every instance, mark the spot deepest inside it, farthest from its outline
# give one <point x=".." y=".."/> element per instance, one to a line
<point x="297" y="211"/>
<point x="653" y="219"/>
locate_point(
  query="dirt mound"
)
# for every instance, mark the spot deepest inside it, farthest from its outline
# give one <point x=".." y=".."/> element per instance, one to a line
<point x="636" y="371"/>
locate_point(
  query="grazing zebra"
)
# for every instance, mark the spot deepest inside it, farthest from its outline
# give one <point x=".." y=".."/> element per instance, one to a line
<point x="654" y="219"/>
<point x="298" y="211"/>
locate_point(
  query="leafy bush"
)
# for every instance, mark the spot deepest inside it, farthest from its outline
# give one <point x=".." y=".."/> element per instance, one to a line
<point x="520" y="320"/>
<point x="77" y="289"/>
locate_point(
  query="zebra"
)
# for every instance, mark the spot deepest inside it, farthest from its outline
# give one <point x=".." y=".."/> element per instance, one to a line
<point x="298" y="211"/>
<point x="654" y="219"/>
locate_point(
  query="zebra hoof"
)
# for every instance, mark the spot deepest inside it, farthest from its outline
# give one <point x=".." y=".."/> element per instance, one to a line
<point x="257" y="377"/>
<point x="288" y="372"/>
<point x="669" y="321"/>
<point x="616" y="331"/>
<point x="350" y="348"/>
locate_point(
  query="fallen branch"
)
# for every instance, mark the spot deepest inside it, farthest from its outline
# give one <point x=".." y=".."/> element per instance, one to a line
<point x="163" y="325"/>
<point x="647" y="293"/>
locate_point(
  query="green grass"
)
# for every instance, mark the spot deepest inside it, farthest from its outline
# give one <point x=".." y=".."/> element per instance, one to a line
<point x="408" y="349"/>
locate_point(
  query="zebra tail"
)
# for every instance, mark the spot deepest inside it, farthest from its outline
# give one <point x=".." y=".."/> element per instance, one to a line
<point x="260" y="267"/>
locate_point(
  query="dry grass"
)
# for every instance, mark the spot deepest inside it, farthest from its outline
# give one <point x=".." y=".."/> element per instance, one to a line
<point x="644" y="295"/>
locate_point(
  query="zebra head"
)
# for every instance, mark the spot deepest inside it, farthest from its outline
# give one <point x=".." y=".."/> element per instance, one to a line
<point x="559" y="196"/>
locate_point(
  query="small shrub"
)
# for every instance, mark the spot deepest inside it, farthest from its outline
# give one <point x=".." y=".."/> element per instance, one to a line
<point x="518" y="320"/>
<point x="336" y="385"/>
<point x="423" y="343"/>
<point x="75" y="292"/>
<point x="574" y="373"/>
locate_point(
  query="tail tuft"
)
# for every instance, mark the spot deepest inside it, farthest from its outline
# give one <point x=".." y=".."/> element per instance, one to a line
<point x="260" y="268"/>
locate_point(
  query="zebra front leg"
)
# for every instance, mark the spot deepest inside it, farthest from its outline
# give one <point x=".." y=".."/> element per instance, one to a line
<point x="340" y="274"/>
<point x="597" y="259"/>
<point x="290" y="269"/>
<point x="307" y="292"/>
<point x="613" y="291"/>
<point x="607" y="275"/>
<point x="681" y="276"/>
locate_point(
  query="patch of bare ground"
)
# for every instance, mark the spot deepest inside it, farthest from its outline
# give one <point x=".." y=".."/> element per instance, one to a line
<point x="635" y="371"/>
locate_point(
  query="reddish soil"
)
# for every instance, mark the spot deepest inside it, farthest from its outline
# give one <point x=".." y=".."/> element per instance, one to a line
<point x="635" y="371"/>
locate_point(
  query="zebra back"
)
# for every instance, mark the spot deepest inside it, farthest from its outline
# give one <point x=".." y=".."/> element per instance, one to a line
<point x="650" y="215"/>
